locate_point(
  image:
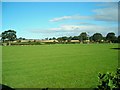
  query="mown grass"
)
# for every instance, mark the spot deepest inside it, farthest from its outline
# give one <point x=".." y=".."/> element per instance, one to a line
<point x="0" y="64"/>
<point x="57" y="66"/>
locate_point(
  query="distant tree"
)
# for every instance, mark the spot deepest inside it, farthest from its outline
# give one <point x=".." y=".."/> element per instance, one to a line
<point x="50" y="38"/>
<point x="0" y="39"/>
<point x="0" y="35"/>
<point x="119" y="39"/>
<point x="104" y="38"/>
<point x="91" y="38"/>
<point x="21" y="38"/>
<point x="53" y="38"/>
<point x="97" y="37"/>
<point x="34" y="41"/>
<point x="46" y="38"/>
<point x="83" y="36"/>
<point x="60" y="40"/>
<point x="3" y="36"/>
<point x="69" y="39"/>
<point x="18" y="41"/>
<point x="9" y="35"/>
<point x="64" y="38"/>
<point x="29" y="41"/>
<point x="75" y="38"/>
<point x="111" y="37"/>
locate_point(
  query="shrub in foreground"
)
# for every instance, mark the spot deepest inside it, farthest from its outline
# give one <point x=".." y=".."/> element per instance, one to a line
<point x="109" y="81"/>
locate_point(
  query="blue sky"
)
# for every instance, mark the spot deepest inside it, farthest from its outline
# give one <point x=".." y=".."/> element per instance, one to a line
<point x="60" y="0"/>
<point x="38" y="20"/>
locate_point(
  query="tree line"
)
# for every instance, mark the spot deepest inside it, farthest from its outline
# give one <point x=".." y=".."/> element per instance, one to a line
<point x="10" y="35"/>
<point x="96" y="37"/>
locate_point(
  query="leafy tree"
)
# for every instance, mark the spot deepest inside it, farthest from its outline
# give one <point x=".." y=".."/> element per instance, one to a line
<point x="46" y="38"/>
<point x="75" y="38"/>
<point x="91" y="38"/>
<point x="69" y="39"/>
<point x="3" y="36"/>
<point x="64" y="38"/>
<point x="119" y="39"/>
<point x="104" y="38"/>
<point x="54" y="38"/>
<point x="50" y="38"/>
<point x="9" y="35"/>
<point x="97" y="37"/>
<point x="111" y="37"/>
<point x="0" y="35"/>
<point x="83" y="36"/>
<point x="59" y="39"/>
<point x="21" y="38"/>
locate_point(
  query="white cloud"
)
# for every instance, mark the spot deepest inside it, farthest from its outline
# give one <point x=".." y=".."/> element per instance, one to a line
<point x="76" y="29"/>
<point x="66" y="28"/>
<point x="60" y="18"/>
<point x="93" y="28"/>
<point x="74" y="17"/>
<point x="108" y="13"/>
<point x="84" y="23"/>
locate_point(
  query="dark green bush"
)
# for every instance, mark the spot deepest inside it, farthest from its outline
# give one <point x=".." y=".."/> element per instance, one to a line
<point x="109" y="81"/>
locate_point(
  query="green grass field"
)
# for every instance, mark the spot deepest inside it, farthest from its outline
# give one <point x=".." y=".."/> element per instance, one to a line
<point x="57" y="66"/>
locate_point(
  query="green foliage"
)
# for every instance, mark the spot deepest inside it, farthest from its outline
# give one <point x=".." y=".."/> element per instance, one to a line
<point x="119" y="39"/>
<point x="83" y="36"/>
<point x="109" y="81"/>
<point x="75" y="38"/>
<point x="60" y="40"/>
<point x="64" y="38"/>
<point x="9" y="35"/>
<point x="97" y="37"/>
<point x="111" y="37"/>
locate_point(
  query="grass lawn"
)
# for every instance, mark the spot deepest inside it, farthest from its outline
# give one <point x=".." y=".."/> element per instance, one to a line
<point x="0" y="64"/>
<point x="57" y="66"/>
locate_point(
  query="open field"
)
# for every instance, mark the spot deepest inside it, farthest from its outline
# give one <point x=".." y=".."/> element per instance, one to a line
<point x="57" y="66"/>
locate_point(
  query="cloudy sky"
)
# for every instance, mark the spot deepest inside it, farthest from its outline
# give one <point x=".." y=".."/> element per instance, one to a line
<point x="39" y="20"/>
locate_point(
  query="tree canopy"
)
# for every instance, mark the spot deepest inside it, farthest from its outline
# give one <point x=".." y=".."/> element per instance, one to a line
<point x="83" y="36"/>
<point x="111" y="37"/>
<point x="97" y="37"/>
<point x="9" y="35"/>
